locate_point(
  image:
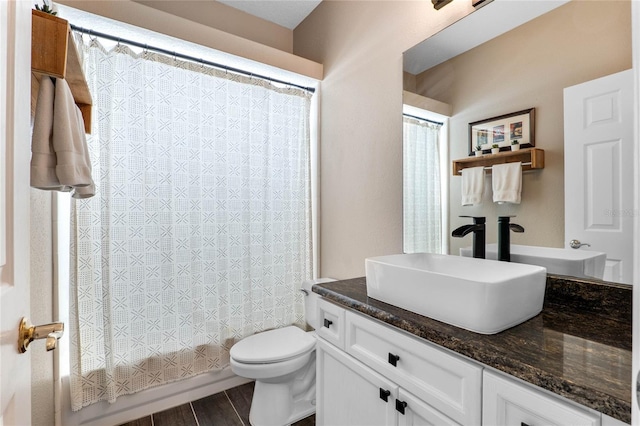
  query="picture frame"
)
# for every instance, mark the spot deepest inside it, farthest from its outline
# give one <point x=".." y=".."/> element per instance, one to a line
<point x="502" y="131"/>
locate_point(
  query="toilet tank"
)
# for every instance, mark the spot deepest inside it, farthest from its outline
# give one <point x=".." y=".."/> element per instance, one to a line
<point x="311" y="300"/>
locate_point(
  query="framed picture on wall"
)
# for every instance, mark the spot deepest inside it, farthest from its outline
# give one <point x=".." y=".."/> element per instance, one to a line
<point x="503" y="131"/>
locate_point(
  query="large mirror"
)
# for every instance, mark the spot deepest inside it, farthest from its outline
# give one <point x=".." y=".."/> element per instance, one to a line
<point x="479" y="68"/>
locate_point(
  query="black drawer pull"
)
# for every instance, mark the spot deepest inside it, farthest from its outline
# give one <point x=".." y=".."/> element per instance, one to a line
<point x="523" y="424"/>
<point x="327" y="323"/>
<point x="400" y="406"/>
<point x="384" y="394"/>
<point x="393" y="359"/>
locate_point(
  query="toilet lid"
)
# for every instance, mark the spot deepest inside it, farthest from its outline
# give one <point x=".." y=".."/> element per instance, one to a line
<point x="273" y="346"/>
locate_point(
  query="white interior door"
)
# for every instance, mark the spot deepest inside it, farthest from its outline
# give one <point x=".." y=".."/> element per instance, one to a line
<point x="15" y="74"/>
<point x="598" y="164"/>
<point x="635" y="43"/>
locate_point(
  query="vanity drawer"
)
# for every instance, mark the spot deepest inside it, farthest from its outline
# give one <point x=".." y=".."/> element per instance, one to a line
<point x="331" y="323"/>
<point x="507" y="402"/>
<point x="443" y="380"/>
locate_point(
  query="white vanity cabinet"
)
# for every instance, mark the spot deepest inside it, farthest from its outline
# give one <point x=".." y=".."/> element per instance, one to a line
<point x="389" y="378"/>
<point x="370" y="373"/>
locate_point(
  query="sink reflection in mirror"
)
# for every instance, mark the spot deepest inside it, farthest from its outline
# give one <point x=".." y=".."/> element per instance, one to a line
<point x="576" y="263"/>
<point x="483" y="296"/>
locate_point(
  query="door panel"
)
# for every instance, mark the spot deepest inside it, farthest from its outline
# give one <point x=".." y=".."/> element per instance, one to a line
<point x="349" y="394"/>
<point x="15" y="86"/>
<point x="598" y="164"/>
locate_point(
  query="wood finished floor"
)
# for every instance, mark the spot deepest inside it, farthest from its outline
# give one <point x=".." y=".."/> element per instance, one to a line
<point x="228" y="408"/>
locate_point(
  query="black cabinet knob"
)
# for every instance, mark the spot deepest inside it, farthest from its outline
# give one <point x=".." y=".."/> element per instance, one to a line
<point x="393" y="359"/>
<point x="384" y="394"/>
<point x="327" y="323"/>
<point x="400" y="406"/>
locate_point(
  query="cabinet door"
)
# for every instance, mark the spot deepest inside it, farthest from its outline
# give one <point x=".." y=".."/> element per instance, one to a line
<point x="418" y="413"/>
<point x="350" y="394"/>
<point x="445" y="381"/>
<point x="510" y="403"/>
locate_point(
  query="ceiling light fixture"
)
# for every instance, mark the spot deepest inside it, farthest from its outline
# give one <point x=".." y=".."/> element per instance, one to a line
<point x="480" y="3"/>
<point x="438" y="4"/>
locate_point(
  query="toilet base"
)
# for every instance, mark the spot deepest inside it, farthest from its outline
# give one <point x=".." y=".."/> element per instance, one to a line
<point x="287" y="410"/>
<point x="301" y="410"/>
<point x="283" y="403"/>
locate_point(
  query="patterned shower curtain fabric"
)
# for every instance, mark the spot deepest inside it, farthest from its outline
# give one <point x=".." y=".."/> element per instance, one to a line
<point x="422" y="207"/>
<point x="200" y="233"/>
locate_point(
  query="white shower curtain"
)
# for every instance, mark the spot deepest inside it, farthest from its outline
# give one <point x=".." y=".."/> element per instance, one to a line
<point x="422" y="205"/>
<point x="200" y="233"/>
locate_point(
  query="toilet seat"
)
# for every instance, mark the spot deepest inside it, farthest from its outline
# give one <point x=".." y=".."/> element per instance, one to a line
<point x="273" y="346"/>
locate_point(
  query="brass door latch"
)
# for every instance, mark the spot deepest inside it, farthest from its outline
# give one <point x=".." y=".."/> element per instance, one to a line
<point x="27" y="333"/>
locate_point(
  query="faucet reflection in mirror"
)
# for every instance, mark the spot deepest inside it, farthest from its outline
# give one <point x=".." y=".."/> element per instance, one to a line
<point x="504" y="237"/>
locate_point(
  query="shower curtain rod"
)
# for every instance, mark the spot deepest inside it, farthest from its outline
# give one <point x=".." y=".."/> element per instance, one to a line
<point x="90" y="33"/>
<point x="423" y="119"/>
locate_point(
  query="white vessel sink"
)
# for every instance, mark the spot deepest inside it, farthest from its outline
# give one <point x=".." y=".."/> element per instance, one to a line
<point x="479" y="295"/>
<point x="563" y="261"/>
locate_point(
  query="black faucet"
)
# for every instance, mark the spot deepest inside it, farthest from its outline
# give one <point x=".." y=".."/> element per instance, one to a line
<point x="504" y="237"/>
<point x="478" y="229"/>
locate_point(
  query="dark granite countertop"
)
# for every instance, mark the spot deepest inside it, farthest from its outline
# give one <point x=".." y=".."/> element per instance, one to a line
<point x="578" y="347"/>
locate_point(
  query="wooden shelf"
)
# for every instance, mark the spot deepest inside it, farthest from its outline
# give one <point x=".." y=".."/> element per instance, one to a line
<point x="54" y="53"/>
<point x="531" y="158"/>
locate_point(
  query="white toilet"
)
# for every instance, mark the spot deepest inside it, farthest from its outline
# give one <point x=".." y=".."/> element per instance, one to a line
<point x="283" y="364"/>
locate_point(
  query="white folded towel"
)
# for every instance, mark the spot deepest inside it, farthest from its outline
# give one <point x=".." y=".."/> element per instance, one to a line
<point x="507" y="182"/>
<point x="472" y="185"/>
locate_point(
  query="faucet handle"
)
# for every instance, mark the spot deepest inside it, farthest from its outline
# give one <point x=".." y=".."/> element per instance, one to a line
<point x="515" y="227"/>
<point x="505" y="221"/>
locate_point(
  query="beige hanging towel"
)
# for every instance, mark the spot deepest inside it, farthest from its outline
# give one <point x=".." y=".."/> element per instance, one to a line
<point x="89" y="190"/>
<point x="69" y="142"/>
<point x="43" y="156"/>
